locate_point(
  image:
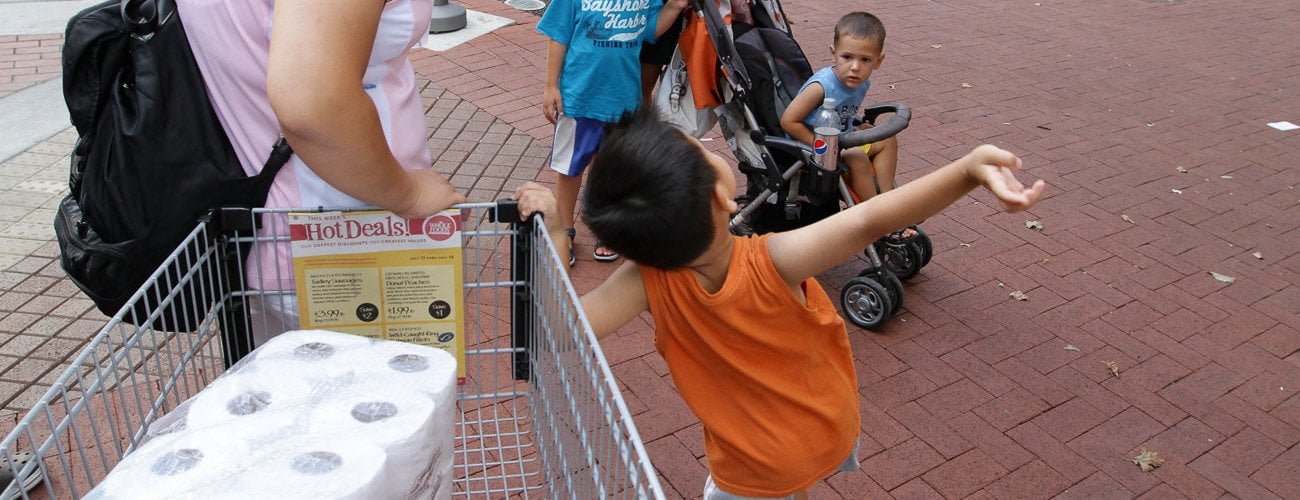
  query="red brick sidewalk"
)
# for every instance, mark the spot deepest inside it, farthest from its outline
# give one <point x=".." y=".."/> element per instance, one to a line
<point x="968" y="392"/>
<point x="971" y="393"/>
<point x="27" y="60"/>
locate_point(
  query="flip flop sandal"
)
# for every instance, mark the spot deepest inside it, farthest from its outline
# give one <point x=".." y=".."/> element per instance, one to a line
<point x="603" y="258"/>
<point x="897" y="236"/>
<point x="573" y="256"/>
<point x="9" y="468"/>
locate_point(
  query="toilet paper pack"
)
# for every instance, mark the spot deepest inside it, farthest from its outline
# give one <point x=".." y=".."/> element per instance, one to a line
<point x="303" y="393"/>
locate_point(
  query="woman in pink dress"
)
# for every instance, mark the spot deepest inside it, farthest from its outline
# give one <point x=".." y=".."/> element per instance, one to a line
<point x="333" y="77"/>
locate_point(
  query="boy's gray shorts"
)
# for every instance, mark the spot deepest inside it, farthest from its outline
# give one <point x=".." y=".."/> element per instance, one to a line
<point x="712" y="492"/>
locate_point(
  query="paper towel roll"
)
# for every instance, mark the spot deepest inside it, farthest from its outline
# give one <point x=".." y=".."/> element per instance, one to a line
<point x="411" y="366"/>
<point x="239" y="397"/>
<point x="406" y="424"/>
<point x="170" y="466"/>
<point x="318" y="467"/>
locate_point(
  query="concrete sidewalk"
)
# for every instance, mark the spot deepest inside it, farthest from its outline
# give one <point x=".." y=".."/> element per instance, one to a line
<point x="1147" y="119"/>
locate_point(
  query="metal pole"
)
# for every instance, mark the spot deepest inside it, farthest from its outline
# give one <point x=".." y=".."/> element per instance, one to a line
<point x="446" y="17"/>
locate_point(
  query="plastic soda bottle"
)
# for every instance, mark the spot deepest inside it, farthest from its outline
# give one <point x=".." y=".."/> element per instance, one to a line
<point x="826" y="135"/>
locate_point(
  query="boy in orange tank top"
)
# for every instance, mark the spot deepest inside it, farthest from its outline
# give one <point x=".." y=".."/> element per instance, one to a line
<point x="751" y="340"/>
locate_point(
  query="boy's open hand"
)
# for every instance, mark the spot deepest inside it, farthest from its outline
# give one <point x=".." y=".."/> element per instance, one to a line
<point x="994" y="169"/>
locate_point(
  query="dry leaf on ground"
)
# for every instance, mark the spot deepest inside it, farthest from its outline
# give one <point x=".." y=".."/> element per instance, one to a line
<point x="1127" y="219"/>
<point x="1258" y="255"/>
<point x="1147" y="460"/>
<point x="1180" y="170"/>
<point x="1019" y="295"/>
<point x="1222" y="277"/>
<point x="1033" y="224"/>
<point x="1176" y="191"/>
<point x="936" y="45"/>
<point x="966" y="85"/>
<point x="1071" y="347"/>
<point x="1113" y="367"/>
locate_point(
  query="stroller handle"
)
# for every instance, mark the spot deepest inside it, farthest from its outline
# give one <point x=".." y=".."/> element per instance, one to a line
<point x="895" y="124"/>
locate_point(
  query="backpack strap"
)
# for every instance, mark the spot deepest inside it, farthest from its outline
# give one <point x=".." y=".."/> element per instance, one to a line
<point x="280" y="154"/>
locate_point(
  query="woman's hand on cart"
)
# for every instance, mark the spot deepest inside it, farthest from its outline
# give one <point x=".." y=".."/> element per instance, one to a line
<point x="430" y="193"/>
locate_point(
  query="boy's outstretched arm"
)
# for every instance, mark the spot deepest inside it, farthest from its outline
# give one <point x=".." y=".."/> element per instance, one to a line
<point x="810" y="250"/>
<point x="617" y="301"/>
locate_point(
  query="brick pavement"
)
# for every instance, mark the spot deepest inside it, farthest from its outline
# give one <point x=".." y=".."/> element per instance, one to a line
<point x="26" y="60"/>
<point x="968" y="392"/>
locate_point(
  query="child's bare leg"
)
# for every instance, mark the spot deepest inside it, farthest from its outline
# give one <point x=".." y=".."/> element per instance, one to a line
<point x="860" y="168"/>
<point x="649" y="76"/>
<point x="884" y="156"/>
<point x="566" y="196"/>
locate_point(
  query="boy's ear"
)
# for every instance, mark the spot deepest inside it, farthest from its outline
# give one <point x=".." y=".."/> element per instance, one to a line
<point x="880" y="60"/>
<point x="722" y="198"/>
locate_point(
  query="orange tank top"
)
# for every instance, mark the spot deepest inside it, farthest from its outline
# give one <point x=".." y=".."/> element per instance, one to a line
<point x="770" y="378"/>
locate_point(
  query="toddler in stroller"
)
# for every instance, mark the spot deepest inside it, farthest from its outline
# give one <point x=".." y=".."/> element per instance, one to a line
<point x="764" y="69"/>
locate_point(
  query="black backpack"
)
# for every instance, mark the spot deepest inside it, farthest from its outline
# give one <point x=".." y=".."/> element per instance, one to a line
<point x="151" y="158"/>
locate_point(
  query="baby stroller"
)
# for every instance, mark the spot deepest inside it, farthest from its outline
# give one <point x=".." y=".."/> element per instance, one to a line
<point x="763" y="68"/>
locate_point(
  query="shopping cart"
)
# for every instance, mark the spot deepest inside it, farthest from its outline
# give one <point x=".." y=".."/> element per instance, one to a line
<point x="540" y="413"/>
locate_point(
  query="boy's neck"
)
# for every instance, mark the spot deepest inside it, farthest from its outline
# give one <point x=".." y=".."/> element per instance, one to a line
<point x="712" y="266"/>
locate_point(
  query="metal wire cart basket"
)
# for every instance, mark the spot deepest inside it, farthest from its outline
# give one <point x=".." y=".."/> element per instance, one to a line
<point x="540" y="413"/>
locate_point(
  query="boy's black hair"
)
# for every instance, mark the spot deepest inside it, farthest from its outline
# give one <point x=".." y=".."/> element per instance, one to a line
<point x="648" y="194"/>
<point x="861" y="25"/>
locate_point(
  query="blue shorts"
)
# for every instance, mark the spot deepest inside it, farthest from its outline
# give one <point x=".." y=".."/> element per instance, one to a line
<point x="575" y="143"/>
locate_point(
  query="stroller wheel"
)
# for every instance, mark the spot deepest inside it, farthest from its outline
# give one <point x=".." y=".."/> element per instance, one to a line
<point x="893" y="286"/>
<point x="866" y="302"/>
<point x="903" y="259"/>
<point x="922" y="241"/>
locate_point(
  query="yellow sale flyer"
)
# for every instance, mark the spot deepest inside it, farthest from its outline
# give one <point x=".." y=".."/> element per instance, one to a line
<point x="378" y="275"/>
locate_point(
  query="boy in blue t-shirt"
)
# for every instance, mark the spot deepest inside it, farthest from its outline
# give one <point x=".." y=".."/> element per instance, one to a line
<point x="856" y="52"/>
<point x="593" y="76"/>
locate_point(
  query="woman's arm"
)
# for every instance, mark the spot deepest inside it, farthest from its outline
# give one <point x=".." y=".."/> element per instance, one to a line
<point x="319" y="53"/>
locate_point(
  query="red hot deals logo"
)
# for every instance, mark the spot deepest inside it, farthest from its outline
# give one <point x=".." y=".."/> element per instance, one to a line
<point x="350" y="229"/>
<point x="819" y="146"/>
<point x="440" y="227"/>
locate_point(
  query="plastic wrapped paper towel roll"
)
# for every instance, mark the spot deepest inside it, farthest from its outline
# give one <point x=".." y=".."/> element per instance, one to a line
<point x="264" y="399"/>
<point x="181" y="466"/>
<point x="410" y="366"/>
<point x="316" y="468"/>
<point x="406" y="424"/>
